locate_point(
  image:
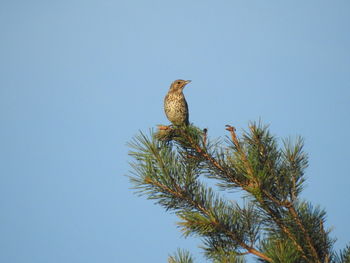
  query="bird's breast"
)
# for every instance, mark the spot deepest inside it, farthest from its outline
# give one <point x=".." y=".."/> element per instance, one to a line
<point x="175" y="108"/>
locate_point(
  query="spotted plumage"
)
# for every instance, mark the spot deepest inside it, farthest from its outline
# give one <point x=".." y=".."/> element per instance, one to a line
<point x="175" y="105"/>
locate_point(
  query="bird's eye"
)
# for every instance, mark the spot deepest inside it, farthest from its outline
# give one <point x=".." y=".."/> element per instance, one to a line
<point x="178" y="82"/>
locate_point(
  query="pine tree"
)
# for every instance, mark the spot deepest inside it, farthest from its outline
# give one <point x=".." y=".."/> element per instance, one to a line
<point x="273" y="223"/>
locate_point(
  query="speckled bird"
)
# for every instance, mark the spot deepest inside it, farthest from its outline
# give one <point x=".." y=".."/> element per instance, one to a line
<point x="175" y="105"/>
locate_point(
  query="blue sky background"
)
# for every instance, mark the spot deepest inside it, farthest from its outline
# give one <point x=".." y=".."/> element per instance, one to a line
<point x="79" y="78"/>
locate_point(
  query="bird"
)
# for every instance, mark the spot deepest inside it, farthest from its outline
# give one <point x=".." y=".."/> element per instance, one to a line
<point x="175" y="105"/>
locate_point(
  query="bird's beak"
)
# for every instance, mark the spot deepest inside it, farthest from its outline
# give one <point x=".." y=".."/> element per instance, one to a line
<point x="188" y="81"/>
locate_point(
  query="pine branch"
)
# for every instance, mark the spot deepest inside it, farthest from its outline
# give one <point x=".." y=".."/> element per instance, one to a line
<point x="254" y="187"/>
<point x="168" y="166"/>
<point x="203" y="213"/>
<point x="266" y="194"/>
<point x="181" y="256"/>
<point x="344" y="255"/>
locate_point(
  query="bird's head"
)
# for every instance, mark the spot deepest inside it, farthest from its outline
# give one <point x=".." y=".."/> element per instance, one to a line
<point x="178" y="85"/>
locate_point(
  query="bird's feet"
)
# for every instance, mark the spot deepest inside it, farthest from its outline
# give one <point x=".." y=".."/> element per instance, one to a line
<point x="164" y="127"/>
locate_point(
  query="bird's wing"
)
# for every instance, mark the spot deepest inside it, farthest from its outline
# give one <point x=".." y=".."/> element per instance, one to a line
<point x="187" y="114"/>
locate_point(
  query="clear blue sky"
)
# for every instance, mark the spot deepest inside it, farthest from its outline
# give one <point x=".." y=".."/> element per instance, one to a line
<point x="79" y="78"/>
